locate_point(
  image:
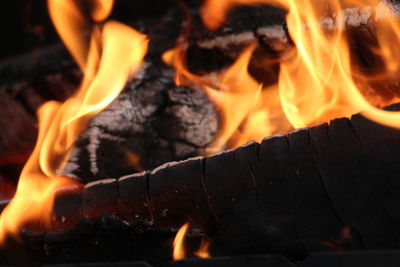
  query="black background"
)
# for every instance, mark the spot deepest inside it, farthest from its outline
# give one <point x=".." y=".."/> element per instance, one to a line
<point x="25" y="24"/>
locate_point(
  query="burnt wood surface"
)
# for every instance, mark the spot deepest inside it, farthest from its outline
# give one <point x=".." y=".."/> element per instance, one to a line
<point x="361" y="258"/>
<point x="152" y="104"/>
<point x="327" y="187"/>
<point x="175" y="127"/>
<point x="164" y="125"/>
<point x="153" y="121"/>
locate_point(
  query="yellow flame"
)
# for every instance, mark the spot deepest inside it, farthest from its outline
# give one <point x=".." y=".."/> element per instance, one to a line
<point x="179" y="243"/>
<point x="238" y="96"/>
<point x="112" y="45"/>
<point x="318" y="80"/>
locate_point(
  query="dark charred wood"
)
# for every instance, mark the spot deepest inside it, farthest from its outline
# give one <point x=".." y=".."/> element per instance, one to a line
<point x="161" y="123"/>
<point x="26" y="83"/>
<point x="323" y="188"/>
<point x="152" y="122"/>
<point x="176" y="122"/>
<point x="109" y="239"/>
<point x="238" y="261"/>
<point x="328" y="187"/>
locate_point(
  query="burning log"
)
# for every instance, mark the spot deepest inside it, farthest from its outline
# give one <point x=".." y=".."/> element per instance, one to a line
<point x="326" y="187"/>
<point x="26" y="83"/>
<point x="162" y="122"/>
<point x="266" y="25"/>
<point x="318" y="188"/>
<point x="153" y="140"/>
<point x="152" y="122"/>
<point x="154" y="126"/>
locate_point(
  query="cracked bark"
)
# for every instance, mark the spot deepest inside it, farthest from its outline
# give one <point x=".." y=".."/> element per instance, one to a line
<point x="308" y="188"/>
<point x="176" y="131"/>
<point x="313" y="185"/>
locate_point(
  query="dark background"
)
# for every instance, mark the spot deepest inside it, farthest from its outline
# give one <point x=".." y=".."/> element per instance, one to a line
<point x="25" y="24"/>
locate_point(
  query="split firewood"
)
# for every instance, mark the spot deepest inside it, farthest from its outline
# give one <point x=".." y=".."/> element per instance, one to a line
<point x="326" y="187"/>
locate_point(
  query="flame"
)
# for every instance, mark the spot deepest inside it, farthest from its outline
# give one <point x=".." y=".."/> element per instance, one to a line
<point x="203" y="252"/>
<point x="98" y="54"/>
<point x="318" y="79"/>
<point x="179" y="252"/>
<point x="179" y="249"/>
<point x="238" y="95"/>
<point x="214" y="12"/>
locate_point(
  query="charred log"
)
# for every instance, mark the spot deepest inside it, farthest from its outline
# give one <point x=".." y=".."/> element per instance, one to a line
<point x="327" y="187"/>
<point x="162" y="122"/>
<point x="152" y="122"/>
<point x="266" y="26"/>
<point x="174" y="128"/>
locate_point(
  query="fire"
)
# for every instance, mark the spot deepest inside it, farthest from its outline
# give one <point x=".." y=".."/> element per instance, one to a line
<point x="179" y="252"/>
<point x="203" y="252"/>
<point x="179" y="249"/>
<point x="108" y="45"/>
<point x="318" y="78"/>
<point x="238" y="95"/>
<point x="317" y="82"/>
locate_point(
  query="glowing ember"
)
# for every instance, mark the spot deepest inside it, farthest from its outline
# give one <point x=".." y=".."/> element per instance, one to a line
<point x="112" y="44"/>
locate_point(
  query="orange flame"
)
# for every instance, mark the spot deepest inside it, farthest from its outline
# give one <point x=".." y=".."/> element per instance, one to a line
<point x="112" y="45"/>
<point x="203" y="252"/>
<point x="214" y="12"/>
<point x="317" y="81"/>
<point x="179" y="252"/>
<point x="179" y="249"/>
<point x="238" y="95"/>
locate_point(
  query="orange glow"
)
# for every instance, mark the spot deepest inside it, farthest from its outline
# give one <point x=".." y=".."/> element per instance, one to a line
<point x="179" y="243"/>
<point x="113" y="44"/>
<point x="203" y="251"/>
<point x="100" y="9"/>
